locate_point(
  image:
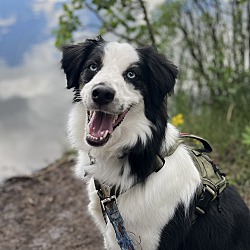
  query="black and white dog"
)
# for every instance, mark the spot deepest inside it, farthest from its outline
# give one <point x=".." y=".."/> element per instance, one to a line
<point x="119" y="118"/>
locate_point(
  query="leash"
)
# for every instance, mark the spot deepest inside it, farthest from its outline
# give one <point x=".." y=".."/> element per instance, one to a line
<point x="111" y="212"/>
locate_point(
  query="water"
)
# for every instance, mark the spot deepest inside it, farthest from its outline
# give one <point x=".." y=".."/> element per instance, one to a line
<point x="34" y="103"/>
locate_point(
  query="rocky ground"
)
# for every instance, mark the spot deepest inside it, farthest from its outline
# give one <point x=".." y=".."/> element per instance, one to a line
<point x="47" y="210"/>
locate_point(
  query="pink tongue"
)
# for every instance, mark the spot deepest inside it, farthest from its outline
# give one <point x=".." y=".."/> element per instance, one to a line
<point x="100" y="123"/>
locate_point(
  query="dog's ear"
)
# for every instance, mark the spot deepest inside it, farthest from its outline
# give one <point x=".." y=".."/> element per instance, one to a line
<point x="73" y="58"/>
<point x="162" y="72"/>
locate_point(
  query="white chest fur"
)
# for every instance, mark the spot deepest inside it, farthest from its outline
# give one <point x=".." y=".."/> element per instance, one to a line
<point x="147" y="208"/>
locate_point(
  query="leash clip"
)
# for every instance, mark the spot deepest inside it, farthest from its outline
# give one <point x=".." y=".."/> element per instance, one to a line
<point x="107" y="201"/>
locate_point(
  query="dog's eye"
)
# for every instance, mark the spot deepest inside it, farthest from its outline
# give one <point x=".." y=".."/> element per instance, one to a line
<point x="93" y="67"/>
<point x="131" y="74"/>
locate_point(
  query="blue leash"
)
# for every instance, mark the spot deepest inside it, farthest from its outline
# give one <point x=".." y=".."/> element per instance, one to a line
<point x="110" y="211"/>
<point x="117" y="222"/>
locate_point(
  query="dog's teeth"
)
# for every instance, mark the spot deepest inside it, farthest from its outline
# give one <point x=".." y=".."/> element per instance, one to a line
<point x="105" y="133"/>
<point x="93" y="138"/>
<point x="115" y="118"/>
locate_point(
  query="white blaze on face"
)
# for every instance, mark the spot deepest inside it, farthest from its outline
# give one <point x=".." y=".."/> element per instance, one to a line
<point x="119" y="56"/>
<point x="117" y="59"/>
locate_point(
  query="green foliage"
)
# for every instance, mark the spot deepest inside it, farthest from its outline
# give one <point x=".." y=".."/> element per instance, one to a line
<point x="246" y="137"/>
<point x="165" y="18"/>
<point x="126" y="19"/>
<point x="68" y="23"/>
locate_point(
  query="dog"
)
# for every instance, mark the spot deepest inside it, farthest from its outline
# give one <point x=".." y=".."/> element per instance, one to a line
<point x="119" y="125"/>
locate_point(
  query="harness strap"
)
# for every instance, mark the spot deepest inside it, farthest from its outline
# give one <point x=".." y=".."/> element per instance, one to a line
<point x="206" y="145"/>
<point x="213" y="180"/>
<point x="173" y="148"/>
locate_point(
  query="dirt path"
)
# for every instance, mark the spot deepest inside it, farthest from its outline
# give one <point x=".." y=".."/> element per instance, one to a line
<point x="47" y="210"/>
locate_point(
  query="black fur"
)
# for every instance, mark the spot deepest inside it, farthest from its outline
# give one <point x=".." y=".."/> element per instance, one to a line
<point x="74" y="57"/>
<point x="225" y="230"/>
<point x="158" y="77"/>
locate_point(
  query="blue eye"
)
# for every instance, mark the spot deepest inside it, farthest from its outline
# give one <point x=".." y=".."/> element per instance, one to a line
<point x="131" y="74"/>
<point x="93" y="67"/>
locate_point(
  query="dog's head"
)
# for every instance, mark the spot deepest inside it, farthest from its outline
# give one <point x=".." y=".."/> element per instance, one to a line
<point x="118" y="86"/>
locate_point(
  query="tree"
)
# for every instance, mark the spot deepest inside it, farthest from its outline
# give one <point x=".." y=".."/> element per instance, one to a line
<point x="128" y="20"/>
<point x="215" y="35"/>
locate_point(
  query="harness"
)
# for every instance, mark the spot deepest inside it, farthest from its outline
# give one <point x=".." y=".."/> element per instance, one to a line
<point x="213" y="184"/>
<point x="213" y="180"/>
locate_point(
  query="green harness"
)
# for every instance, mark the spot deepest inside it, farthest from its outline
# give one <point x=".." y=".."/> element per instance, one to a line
<point x="213" y="180"/>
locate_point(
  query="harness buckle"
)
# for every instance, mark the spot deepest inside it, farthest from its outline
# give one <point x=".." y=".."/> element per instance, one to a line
<point x="207" y="196"/>
<point x="210" y="191"/>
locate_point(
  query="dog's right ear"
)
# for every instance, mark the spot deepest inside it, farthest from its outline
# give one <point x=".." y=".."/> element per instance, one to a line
<point x="73" y="58"/>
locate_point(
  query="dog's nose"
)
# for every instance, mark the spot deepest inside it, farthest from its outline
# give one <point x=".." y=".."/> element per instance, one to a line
<point x="102" y="94"/>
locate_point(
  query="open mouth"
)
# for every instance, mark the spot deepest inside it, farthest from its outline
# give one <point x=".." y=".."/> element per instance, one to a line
<point x="101" y="126"/>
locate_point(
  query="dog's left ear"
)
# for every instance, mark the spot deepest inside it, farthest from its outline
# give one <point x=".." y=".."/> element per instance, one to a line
<point x="162" y="72"/>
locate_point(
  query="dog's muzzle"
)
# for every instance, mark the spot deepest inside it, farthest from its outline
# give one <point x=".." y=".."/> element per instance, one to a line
<point x="102" y="123"/>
